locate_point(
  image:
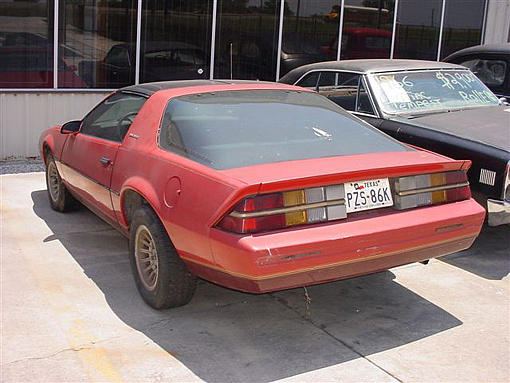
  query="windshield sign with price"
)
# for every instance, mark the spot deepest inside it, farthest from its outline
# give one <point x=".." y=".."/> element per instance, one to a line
<point x="365" y="195"/>
<point x="423" y="91"/>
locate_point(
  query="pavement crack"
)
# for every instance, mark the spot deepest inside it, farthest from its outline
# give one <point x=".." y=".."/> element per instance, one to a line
<point x="308" y="319"/>
<point x="78" y="348"/>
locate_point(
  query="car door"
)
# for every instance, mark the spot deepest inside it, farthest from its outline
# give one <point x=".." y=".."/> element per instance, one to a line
<point x="89" y="156"/>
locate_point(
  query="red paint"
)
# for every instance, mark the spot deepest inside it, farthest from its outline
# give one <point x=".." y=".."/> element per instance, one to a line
<point x="201" y="196"/>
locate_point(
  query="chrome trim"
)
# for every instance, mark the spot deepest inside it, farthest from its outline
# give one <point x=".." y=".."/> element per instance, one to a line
<point x="324" y="70"/>
<point x="289" y="209"/>
<point x="432" y="189"/>
<point x="498" y="212"/>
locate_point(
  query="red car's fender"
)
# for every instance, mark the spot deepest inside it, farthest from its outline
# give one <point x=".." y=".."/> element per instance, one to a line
<point x="54" y="140"/>
<point x="143" y="187"/>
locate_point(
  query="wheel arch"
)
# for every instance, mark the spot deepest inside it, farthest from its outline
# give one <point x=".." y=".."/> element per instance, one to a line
<point x="137" y="192"/>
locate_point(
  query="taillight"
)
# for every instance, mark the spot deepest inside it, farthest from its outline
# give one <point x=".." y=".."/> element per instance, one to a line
<point x="279" y="210"/>
<point x="430" y="189"/>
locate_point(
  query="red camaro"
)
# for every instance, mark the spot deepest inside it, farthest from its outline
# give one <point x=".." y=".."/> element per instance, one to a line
<point x="255" y="186"/>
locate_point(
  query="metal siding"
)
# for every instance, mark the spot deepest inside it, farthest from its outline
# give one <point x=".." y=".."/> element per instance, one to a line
<point x="23" y="116"/>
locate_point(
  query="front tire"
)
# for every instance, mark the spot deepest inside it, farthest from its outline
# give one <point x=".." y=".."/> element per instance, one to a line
<point x="160" y="274"/>
<point x="60" y="198"/>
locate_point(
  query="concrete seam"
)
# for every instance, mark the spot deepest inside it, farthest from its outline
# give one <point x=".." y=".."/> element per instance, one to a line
<point x="345" y="344"/>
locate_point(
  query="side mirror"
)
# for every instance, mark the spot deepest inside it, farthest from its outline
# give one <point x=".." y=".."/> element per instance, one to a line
<point x="71" y="127"/>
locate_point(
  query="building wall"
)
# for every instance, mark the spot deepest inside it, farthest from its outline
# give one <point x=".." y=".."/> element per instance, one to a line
<point x="79" y="50"/>
<point x="497" y="29"/>
<point x="23" y="116"/>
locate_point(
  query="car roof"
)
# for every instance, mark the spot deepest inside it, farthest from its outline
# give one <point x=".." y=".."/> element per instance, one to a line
<point x="486" y="48"/>
<point x="368" y="66"/>
<point x="148" y="89"/>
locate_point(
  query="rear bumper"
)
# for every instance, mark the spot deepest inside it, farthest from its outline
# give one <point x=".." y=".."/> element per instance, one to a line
<point x="321" y="253"/>
<point x="498" y="212"/>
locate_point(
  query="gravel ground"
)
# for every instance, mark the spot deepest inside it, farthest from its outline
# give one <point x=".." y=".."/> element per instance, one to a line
<point x="21" y="166"/>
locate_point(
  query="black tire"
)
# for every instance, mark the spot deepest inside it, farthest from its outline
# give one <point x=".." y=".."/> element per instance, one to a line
<point x="60" y="198"/>
<point x="174" y="285"/>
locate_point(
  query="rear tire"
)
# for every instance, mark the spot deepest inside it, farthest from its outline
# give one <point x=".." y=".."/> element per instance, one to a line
<point x="60" y="198"/>
<point x="160" y="274"/>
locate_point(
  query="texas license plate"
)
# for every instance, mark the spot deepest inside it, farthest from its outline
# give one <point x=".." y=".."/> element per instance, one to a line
<point x="365" y="195"/>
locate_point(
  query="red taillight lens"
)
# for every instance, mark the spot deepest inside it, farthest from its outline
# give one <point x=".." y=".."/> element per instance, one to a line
<point x="289" y="208"/>
<point x="430" y="189"/>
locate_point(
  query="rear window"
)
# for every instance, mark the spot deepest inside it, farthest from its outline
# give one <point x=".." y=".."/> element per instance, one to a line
<point x="233" y="129"/>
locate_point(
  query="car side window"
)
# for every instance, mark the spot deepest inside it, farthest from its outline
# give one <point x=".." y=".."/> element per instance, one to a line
<point x="490" y="71"/>
<point x="119" y="57"/>
<point x="112" y="118"/>
<point x="309" y="81"/>
<point x="364" y="105"/>
<point x="340" y="87"/>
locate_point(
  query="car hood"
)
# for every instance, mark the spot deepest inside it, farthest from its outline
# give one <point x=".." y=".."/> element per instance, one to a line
<point x="487" y="125"/>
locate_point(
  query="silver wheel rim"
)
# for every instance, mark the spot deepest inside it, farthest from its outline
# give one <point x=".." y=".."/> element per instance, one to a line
<point x="146" y="257"/>
<point x="53" y="181"/>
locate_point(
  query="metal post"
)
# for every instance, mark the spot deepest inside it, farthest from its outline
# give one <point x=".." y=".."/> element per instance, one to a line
<point x="55" y="44"/>
<point x="280" y="36"/>
<point x="340" y="30"/>
<point x="441" y="31"/>
<point x="484" y="22"/>
<point x="138" y="41"/>
<point x="394" y="32"/>
<point x="213" y="38"/>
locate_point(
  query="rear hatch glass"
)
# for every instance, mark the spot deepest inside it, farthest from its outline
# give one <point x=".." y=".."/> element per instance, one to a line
<point x="234" y="129"/>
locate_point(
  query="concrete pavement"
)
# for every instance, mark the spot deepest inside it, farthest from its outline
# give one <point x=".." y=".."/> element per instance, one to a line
<point x="71" y="312"/>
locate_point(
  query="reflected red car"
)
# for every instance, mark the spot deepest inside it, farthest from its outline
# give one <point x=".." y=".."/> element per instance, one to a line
<point x="254" y="186"/>
<point x="26" y="67"/>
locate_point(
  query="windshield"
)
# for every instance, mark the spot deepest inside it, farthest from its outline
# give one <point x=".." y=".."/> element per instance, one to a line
<point x="431" y="90"/>
<point x="233" y="129"/>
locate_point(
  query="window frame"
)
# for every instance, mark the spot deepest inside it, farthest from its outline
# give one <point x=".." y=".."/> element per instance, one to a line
<point x="361" y="80"/>
<point x="124" y="93"/>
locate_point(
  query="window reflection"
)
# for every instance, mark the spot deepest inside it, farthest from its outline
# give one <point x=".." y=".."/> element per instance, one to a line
<point x="26" y="44"/>
<point x="175" y="40"/>
<point x="247" y="39"/>
<point x="417" y="33"/>
<point x="367" y="29"/>
<point x="97" y="43"/>
<point x="310" y="28"/>
<point x="463" y="21"/>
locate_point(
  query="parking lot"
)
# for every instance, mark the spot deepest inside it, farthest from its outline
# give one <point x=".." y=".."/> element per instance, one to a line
<point x="71" y="312"/>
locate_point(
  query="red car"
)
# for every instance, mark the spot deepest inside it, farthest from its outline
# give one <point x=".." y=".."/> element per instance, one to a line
<point x="254" y="186"/>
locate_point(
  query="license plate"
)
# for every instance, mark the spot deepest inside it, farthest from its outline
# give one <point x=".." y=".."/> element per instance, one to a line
<point x="365" y="195"/>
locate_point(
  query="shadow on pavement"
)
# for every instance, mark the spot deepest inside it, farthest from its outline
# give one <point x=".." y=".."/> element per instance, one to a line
<point x="224" y="335"/>
<point x="489" y="257"/>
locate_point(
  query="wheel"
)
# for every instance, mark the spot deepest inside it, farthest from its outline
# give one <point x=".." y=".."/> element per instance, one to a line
<point x="60" y="198"/>
<point x="160" y="274"/>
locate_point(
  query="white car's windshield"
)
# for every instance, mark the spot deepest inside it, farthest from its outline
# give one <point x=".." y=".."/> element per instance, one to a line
<point x="427" y="91"/>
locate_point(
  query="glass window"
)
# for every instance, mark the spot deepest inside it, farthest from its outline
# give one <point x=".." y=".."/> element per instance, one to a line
<point x="310" y="28"/>
<point x="340" y="87"/>
<point x="491" y="72"/>
<point x="112" y="118"/>
<point x="364" y="105"/>
<point x="367" y="29"/>
<point x="26" y="44"/>
<point x="97" y="43"/>
<point x="429" y="91"/>
<point x="463" y="22"/>
<point x="243" y="128"/>
<point x="309" y="81"/>
<point x="176" y="40"/>
<point x="417" y="32"/>
<point x="246" y="39"/>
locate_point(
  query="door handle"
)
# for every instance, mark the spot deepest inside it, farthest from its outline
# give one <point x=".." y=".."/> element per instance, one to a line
<point x="105" y="161"/>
